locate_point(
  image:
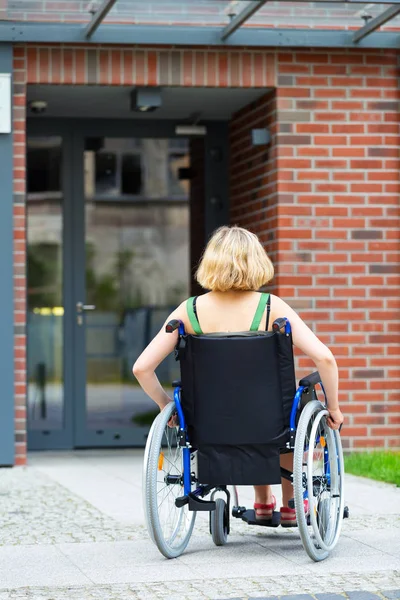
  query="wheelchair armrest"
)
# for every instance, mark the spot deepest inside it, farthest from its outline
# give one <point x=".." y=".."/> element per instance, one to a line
<point x="172" y="325"/>
<point x="310" y="380"/>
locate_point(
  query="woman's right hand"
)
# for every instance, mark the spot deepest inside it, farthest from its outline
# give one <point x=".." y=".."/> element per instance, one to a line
<point x="335" y="418"/>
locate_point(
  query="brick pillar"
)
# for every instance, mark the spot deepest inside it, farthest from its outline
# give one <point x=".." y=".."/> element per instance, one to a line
<point x="19" y="127"/>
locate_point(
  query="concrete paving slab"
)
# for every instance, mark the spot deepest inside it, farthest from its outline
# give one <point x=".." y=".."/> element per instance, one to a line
<point x="239" y="548"/>
<point x="329" y="596"/>
<point x="378" y="540"/>
<point x="141" y="574"/>
<point x="345" y="547"/>
<point x="22" y="566"/>
<point x="112" y="555"/>
<point x="366" y="496"/>
<point x="361" y="595"/>
<point x="346" y="564"/>
<point x="112" y="482"/>
<point x="169" y="571"/>
<point x="262" y="563"/>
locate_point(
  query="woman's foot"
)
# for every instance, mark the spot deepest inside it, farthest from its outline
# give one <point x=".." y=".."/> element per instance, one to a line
<point x="264" y="512"/>
<point x="288" y="515"/>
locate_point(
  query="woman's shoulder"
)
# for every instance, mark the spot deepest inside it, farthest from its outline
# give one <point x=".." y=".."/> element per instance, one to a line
<point x="278" y="304"/>
<point x="182" y="310"/>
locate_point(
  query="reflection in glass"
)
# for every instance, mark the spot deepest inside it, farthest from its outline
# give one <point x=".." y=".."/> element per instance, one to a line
<point x="137" y="271"/>
<point x="177" y="163"/>
<point x="106" y="173"/>
<point x="131" y="174"/>
<point x="45" y="290"/>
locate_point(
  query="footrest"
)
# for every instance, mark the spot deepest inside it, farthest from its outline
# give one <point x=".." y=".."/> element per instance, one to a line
<point x="249" y="516"/>
<point x="195" y="504"/>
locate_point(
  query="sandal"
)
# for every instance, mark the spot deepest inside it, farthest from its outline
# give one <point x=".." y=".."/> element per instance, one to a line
<point x="288" y="515"/>
<point x="264" y="512"/>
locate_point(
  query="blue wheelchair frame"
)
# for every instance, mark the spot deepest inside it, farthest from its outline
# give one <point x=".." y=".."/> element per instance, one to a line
<point x="199" y="492"/>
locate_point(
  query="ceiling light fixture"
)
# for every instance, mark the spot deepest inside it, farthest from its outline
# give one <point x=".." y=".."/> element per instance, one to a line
<point x="145" y="99"/>
<point x="190" y="130"/>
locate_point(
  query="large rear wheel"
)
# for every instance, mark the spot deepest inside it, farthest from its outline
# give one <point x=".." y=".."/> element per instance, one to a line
<point x="318" y="473"/>
<point x="169" y="527"/>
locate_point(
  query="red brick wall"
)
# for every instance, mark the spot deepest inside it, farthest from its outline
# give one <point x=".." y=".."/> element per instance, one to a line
<point x="337" y="226"/>
<point x="324" y="200"/>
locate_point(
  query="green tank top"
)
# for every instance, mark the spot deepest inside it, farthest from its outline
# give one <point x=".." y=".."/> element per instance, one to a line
<point x="194" y="321"/>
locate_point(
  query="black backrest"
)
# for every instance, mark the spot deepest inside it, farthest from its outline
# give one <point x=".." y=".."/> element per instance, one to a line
<point x="237" y="389"/>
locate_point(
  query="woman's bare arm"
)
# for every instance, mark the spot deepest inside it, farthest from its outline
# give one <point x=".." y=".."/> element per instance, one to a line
<point x="158" y="349"/>
<point x="320" y="354"/>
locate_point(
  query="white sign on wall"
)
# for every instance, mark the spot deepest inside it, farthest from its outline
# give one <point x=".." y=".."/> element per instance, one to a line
<point x="5" y="103"/>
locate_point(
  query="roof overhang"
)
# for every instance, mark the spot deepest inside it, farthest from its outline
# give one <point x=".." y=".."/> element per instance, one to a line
<point x="250" y="9"/>
<point x="149" y="35"/>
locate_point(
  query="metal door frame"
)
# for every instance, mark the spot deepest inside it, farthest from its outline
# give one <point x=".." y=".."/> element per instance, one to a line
<point x="61" y="438"/>
<point x="73" y="132"/>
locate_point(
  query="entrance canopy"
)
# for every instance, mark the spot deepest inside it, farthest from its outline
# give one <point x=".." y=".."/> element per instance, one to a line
<point x="205" y="22"/>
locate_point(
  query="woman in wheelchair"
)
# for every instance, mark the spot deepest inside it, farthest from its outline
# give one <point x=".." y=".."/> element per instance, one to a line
<point x="233" y="268"/>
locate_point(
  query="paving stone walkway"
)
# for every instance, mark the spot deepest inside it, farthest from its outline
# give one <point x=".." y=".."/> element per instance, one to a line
<point x="34" y="509"/>
<point x="223" y="589"/>
<point x="72" y="529"/>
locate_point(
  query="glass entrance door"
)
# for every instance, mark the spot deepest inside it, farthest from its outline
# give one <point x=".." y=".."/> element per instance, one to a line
<point x="132" y="269"/>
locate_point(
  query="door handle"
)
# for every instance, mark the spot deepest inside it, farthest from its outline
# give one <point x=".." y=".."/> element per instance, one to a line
<point x="80" y="307"/>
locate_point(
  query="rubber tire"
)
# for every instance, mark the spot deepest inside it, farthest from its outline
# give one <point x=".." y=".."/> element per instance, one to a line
<point x="308" y="411"/>
<point x="218" y="526"/>
<point x="323" y="511"/>
<point x="150" y="488"/>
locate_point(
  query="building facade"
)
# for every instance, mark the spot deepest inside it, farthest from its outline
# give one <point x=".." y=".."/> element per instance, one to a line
<point x="110" y="208"/>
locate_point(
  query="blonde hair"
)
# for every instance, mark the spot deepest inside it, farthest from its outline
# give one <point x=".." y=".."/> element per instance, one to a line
<point x="234" y="259"/>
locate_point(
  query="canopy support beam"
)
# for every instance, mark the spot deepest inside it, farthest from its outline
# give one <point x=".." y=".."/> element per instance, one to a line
<point x="377" y="22"/>
<point x="98" y="17"/>
<point x="241" y="17"/>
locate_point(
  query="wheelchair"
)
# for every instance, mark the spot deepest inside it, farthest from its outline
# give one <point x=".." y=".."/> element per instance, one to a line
<point x="228" y="427"/>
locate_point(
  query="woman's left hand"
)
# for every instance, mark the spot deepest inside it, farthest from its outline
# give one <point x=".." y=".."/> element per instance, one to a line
<point x="174" y="421"/>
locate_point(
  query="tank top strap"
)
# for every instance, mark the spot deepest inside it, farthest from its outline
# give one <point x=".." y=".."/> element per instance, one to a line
<point x="259" y="312"/>
<point x="192" y="314"/>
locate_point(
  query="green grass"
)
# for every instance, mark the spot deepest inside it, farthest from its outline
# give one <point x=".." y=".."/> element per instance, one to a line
<point x="379" y="465"/>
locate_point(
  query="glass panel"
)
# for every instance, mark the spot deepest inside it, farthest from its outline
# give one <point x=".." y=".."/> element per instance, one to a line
<point x="131" y="174"/>
<point x="178" y="166"/>
<point x="137" y="269"/>
<point x="312" y="15"/>
<point x="106" y="173"/>
<point x="45" y="289"/>
<point x="215" y="13"/>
